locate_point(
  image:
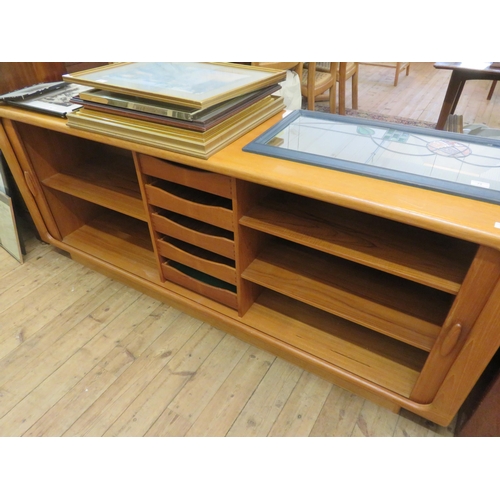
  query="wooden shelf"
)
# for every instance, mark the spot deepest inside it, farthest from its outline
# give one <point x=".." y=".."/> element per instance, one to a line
<point x="202" y="260"/>
<point x="209" y="182"/>
<point x="195" y="232"/>
<point x="193" y="203"/>
<point x="118" y="240"/>
<point x="390" y="305"/>
<point x="201" y="283"/>
<point x="374" y="357"/>
<point x="111" y="183"/>
<point x="422" y="256"/>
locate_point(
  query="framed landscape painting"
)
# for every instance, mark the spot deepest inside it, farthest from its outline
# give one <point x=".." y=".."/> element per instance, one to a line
<point x="190" y="84"/>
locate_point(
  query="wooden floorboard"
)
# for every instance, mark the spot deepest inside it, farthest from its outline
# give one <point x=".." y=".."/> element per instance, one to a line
<point x="109" y="361"/>
<point x="82" y="355"/>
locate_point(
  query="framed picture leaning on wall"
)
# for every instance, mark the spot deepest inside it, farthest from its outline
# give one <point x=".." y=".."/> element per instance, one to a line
<point x="9" y="236"/>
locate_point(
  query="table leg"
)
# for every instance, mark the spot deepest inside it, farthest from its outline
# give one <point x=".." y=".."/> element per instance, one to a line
<point x="451" y="98"/>
<point x="492" y="89"/>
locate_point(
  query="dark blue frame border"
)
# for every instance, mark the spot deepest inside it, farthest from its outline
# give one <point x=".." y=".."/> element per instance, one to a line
<point x="260" y="146"/>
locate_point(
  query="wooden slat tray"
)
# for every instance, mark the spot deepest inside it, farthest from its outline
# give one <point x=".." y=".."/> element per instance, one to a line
<point x="199" y="259"/>
<point x="199" y="179"/>
<point x="191" y="203"/>
<point x="195" y="232"/>
<point x="201" y="284"/>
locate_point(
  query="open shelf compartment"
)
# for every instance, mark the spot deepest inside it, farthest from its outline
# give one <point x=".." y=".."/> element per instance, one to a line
<point x="432" y="259"/>
<point x="110" y="182"/>
<point x="118" y="240"/>
<point x="399" y="308"/>
<point x="352" y="348"/>
<point x="99" y="173"/>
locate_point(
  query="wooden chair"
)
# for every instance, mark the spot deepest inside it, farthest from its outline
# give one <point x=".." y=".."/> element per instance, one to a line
<point x="316" y="82"/>
<point x="345" y="71"/>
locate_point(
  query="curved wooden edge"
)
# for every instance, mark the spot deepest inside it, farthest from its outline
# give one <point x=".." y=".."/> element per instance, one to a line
<point x="19" y="177"/>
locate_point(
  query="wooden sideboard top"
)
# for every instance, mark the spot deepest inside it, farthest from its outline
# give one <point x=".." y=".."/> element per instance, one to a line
<point x="448" y="214"/>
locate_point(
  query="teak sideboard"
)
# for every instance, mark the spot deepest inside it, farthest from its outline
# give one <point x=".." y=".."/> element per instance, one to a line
<point x="387" y="290"/>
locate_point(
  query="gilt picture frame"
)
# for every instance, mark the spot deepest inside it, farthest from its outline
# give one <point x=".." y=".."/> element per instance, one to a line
<point x="197" y="85"/>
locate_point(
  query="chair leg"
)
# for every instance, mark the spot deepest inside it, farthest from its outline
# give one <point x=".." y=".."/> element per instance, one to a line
<point x="342" y="73"/>
<point x="333" y="97"/>
<point x="396" y="77"/>
<point x="398" y="70"/>
<point x="355" y="90"/>
<point x="310" y="98"/>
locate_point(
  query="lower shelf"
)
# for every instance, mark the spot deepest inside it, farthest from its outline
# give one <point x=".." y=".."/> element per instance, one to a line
<point x="201" y="283"/>
<point x="398" y="308"/>
<point x="198" y="258"/>
<point x="119" y="240"/>
<point x="386" y="362"/>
